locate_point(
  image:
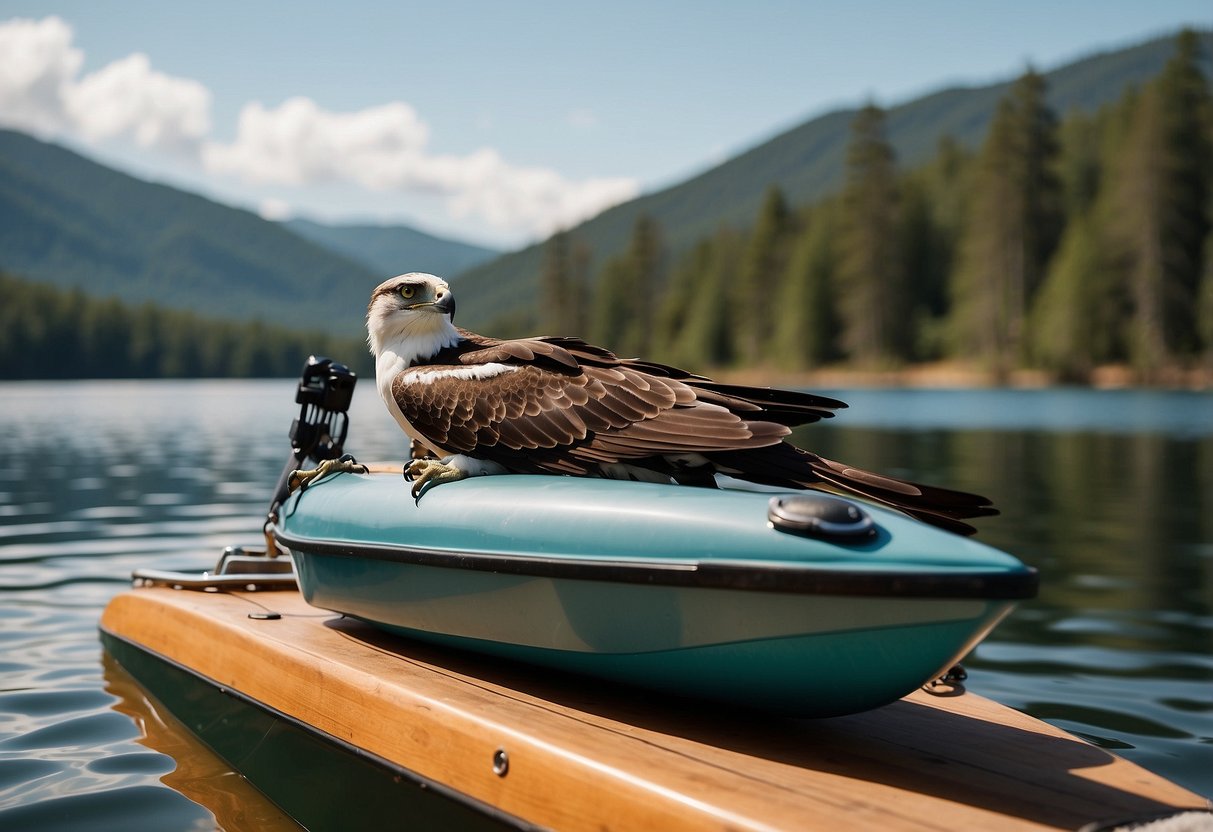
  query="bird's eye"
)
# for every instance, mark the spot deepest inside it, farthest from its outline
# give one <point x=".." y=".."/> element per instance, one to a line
<point x="407" y="291"/>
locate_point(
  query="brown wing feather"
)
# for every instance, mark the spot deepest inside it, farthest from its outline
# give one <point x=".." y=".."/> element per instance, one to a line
<point x="539" y="351"/>
<point x="571" y="406"/>
<point x="612" y="413"/>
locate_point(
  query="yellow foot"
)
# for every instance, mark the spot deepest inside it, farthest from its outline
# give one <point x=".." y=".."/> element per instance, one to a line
<point x="344" y="465"/>
<point x="426" y="472"/>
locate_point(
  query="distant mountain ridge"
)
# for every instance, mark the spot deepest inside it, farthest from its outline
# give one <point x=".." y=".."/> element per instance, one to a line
<point x="72" y="222"/>
<point x="807" y="162"/>
<point x="391" y="249"/>
<point x="69" y="221"/>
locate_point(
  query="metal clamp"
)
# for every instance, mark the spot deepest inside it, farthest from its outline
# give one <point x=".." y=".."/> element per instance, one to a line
<point x="239" y="567"/>
<point x="951" y="683"/>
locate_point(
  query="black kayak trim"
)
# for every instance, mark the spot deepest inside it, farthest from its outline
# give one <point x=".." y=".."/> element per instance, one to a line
<point x="764" y="576"/>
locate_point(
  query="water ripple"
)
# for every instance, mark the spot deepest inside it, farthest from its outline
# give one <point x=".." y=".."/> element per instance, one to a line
<point x="110" y="810"/>
<point x="1116" y="649"/>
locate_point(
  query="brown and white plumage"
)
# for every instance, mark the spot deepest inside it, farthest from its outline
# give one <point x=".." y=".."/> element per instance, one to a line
<point x="562" y="406"/>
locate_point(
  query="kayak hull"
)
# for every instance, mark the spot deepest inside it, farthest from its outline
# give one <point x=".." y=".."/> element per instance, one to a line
<point x="768" y="651"/>
<point x="768" y="621"/>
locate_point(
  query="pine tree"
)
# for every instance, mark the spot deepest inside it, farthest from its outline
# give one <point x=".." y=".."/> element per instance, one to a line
<point x="623" y="303"/>
<point x="104" y="329"/>
<point x="563" y="286"/>
<point x="62" y="350"/>
<point x="807" y="324"/>
<point x="1077" y="317"/>
<point x="180" y="352"/>
<point x="1187" y="116"/>
<point x="1204" y="308"/>
<point x="579" y="290"/>
<point x="1074" y="321"/>
<point x="871" y="284"/>
<point x="556" y="286"/>
<point x="1137" y="217"/>
<point x="927" y="251"/>
<point x="687" y="281"/>
<point x="646" y="263"/>
<point x="1015" y="223"/>
<point x="932" y="225"/>
<point x="623" y="306"/>
<point x="147" y="333"/>
<point x="1080" y="162"/>
<point x="1158" y="210"/>
<point x="612" y="305"/>
<point x="705" y="338"/>
<point x="765" y="261"/>
<point x="1040" y="187"/>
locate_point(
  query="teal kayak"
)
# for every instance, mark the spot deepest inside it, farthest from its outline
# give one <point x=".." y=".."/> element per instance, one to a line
<point x="801" y="603"/>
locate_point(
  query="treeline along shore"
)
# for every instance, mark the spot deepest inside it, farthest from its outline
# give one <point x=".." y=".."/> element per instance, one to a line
<point x="50" y="333"/>
<point x="1062" y="246"/>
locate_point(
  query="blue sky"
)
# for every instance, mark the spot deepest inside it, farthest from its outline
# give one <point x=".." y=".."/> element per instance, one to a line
<point x="495" y="122"/>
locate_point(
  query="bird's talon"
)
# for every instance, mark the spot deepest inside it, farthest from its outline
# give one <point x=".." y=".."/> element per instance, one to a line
<point x="345" y="465"/>
<point x="427" y="472"/>
<point x="413" y="469"/>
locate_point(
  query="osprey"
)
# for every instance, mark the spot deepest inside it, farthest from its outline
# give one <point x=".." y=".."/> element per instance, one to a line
<point x="558" y="405"/>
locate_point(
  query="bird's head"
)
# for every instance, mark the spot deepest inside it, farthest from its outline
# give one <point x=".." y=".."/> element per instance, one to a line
<point x="416" y="308"/>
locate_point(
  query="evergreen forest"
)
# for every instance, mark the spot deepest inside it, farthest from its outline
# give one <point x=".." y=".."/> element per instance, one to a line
<point x="1063" y="243"/>
<point x="51" y="333"/>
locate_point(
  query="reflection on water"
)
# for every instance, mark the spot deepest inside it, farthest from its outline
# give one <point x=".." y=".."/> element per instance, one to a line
<point x="1110" y="495"/>
<point x="199" y="774"/>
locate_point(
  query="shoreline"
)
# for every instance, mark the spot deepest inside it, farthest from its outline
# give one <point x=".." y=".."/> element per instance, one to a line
<point x="943" y="375"/>
<point x="958" y="375"/>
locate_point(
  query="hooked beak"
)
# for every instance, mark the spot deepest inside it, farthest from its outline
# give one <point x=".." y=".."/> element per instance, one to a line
<point x="446" y="304"/>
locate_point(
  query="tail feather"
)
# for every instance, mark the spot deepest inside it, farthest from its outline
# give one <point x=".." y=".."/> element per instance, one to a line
<point x="937" y="513"/>
<point x="786" y="407"/>
<point x="787" y="466"/>
<point x="944" y="500"/>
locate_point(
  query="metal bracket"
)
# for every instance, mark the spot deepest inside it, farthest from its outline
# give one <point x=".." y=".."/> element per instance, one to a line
<point x="951" y="683"/>
<point x="239" y="567"/>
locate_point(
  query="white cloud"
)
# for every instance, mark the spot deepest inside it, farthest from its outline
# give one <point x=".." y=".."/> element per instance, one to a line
<point x="36" y="73"/>
<point x="297" y="144"/>
<point x="129" y="98"/>
<point x="535" y="199"/>
<point x="385" y="149"/>
<point x="40" y="91"/>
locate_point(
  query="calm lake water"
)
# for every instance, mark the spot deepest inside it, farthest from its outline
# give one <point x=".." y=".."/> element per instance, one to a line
<point x="1109" y="494"/>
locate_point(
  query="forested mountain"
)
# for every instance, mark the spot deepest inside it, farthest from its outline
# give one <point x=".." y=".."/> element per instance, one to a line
<point x="71" y="222"/>
<point x="806" y="162"/>
<point x="1060" y="245"/>
<point x="389" y="250"/>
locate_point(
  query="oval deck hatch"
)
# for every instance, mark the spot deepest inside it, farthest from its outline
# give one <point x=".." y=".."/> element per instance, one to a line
<point x="821" y="516"/>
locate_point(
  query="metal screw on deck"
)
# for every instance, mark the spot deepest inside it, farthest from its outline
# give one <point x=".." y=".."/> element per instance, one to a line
<point x="501" y="762"/>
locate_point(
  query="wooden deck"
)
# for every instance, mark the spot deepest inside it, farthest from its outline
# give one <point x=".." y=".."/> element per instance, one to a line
<point x="586" y="755"/>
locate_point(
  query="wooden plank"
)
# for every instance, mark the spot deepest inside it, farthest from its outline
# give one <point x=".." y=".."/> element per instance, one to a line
<point x="586" y="755"/>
